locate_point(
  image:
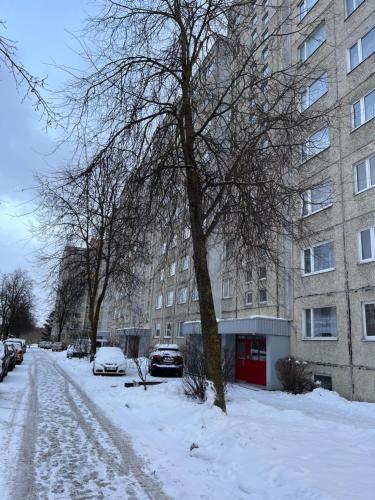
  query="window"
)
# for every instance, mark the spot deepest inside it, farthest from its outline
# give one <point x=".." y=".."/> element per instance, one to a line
<point x="157" y="330"/>
<point x="262" y="273"/>
<point x="368" y="314"/>
<point x="352" y="5"/>
<point x="361" y="50"/>
<point x="304" y="7"/>
<point x="317" y="198"/>
<point x="180" y="331"/>
<point x="316" y="143"/>
<point x="170" y="298"/>
<point x="364" y="175"/>
<point x="159" y="301"/>
<point x="248" y="276"/>
<point x="323" y="381"/>
<point x="312" y="43"/>
<point x="265" y="34"/>
<point x="363" y="110"/>
<point x="314" y="91"/>
<point x="265" y="3"/>
<point x="185" y="263"/>
<point x="367" y="244"/>
<point x="265" y="19"/>
<point x="254" y="20"/>
<point x="265" y="52"/>
<point x="228" y="250"/>
<point x="172" y="269"/>
<point x="320" y="323"/>
<point x="168" y="330"/>
<point x="262" y="295"/>
<point x="163" y="248"/>
<point x="227" y="288"/>
<point x="318" y="258"/>
<point x="249" y="298"/>
<point x="254" y="36"/>
<point x="194" y="294"/>
<point x="182" y="295"/>
<point x="266" y="72"/>
<point x="162" y="275"/>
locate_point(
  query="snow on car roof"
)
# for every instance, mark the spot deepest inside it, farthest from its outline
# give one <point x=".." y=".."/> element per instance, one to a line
<point x="107" y="352"/>
<point x="166" y="346"/>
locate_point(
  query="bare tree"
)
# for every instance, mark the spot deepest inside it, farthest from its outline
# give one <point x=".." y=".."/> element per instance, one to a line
<point x="91" y="213"/>
<point x="16" y="303"/>
<point x="213" y="121"/>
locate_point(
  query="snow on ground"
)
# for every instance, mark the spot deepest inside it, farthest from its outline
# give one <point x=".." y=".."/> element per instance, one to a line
<point x="13" y="407"/>
<point x="270" y="446"/>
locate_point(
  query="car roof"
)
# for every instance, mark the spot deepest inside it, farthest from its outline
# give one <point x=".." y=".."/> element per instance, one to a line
<point x="166" y="346"/>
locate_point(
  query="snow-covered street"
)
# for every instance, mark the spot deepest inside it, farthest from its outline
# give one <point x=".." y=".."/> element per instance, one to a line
<point x="69" y="435"/>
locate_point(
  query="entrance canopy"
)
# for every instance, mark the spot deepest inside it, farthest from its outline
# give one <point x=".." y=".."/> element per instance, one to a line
<point x="256" y="325"/>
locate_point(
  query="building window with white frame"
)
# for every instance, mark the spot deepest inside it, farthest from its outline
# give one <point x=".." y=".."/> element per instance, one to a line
<point x="248" y="276"/>
<point x="304" y="7"/>
<point x="312" y="43"/>
<point x="265" y="34"/>
<point x="185" y="261"/>
<point x="366" y="243"/>
<point x="262" y="273"/>
<point x="368" y="314"/>
<point x="318" y="258"/>
<point x="157" y="330"/>
<point x="317" y="198"/>
<point x="254" y="20"/>
<point x="162" y="275"/>
<point x="352" y="5"/>
<point x="194" y="294"/>
<point x="262" y="296"/>
<point x="168" y="330"/>
<point x="363" y="110"/>
<point x="159" y="301"/>
<point x="364" y="175"/>
<point x="170" y="298"/>
<point x="249" y="298"/>
<point x="172" y="269"/>
<point x="180" y="331"/>
<point x="316" y="143"/>
<point x="182" y="295"/>
<point x="254" y="36"/>
<point x="320" y="323"/>
<point x="227" y="288"/>
<point x="314" y="91"/>
<point x="361" y="50"/>
<point x="265" y="19"/>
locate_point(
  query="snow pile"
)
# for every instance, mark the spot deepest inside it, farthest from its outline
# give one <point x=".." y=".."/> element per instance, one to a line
<point x="270" y="446"/>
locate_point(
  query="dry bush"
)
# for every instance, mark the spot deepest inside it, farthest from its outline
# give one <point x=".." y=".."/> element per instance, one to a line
<point x="294" y="375"/>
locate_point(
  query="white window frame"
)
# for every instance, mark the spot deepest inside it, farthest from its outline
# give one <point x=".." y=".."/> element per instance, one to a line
<point x="159" y="301"/>
<point x="266" y="19"/>
<point x="365" y="336"/>
<point x="312" y="248"/>
<point x="229" y="293"/>
<point x="265" y="34"/>
<point x="168" y="302"/>
<point x="360" y="52"/>
<point x="304" y="45"/>
<point x="368" y="175"/>
<point x="162" y="274"/>
<point x="311" y="309"/>
<point x="254" y="20"/>
<point x="183" y="295"/>
<point x="179" y="326"/>
<point x="356" y="4"/>
<point x="307" y="90"/>
<point x="302" y="12"/>
<point x="262" y="278"/>
<point x="157" y="329"/>
<point x="248" y="274"/>
<point x="372" y="240"/>
<point x="185" y="263"/>
<point x="361" y="102"/>
<point x="311" y="205"/>
<point x="263" y="301"/>
<point x="247" y="303"/>
<point x="194" y="294"/>
<point x="172" y="269"/>
<point x="166" y="336"/>
<point x="307" y="145"/>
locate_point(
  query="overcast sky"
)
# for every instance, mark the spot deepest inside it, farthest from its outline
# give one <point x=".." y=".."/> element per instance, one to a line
<point x="43" y="32"/>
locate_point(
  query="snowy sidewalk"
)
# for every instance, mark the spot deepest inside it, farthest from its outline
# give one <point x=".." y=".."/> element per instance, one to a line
<point x="271" y="446"/>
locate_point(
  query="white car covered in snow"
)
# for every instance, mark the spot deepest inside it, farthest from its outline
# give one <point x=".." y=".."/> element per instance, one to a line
<point x="109" y="361"/>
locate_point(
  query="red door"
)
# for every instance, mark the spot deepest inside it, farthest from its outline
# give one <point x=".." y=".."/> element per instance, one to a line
<point x="251" y="359"/>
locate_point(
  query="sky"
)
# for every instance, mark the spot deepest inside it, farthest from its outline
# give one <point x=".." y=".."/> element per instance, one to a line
<point x="43" y="30"/>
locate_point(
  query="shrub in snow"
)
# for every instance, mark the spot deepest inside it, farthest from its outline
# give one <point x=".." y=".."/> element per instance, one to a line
<point x="294" y="375"/>
<point x="194" y="378"/>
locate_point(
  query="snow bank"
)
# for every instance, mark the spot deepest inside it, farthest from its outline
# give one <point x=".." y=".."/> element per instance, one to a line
<point x="270" y="446"/>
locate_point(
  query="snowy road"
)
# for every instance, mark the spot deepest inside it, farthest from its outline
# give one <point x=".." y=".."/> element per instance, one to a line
<point x="69" y="449"/>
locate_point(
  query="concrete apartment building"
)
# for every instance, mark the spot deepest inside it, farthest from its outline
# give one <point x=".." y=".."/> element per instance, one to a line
<point x="323" y="309"/>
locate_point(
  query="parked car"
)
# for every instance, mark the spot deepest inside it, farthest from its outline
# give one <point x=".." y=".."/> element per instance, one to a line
<point x="109" y="361"/>
<point x="166" y="358"/>
<point x="58" y="346"/>
<point x="79" y="349"/>
<point x="5" y="359"/>
<point x="18" y="348"/>
<point x="13" y="356"/>
<point x="21" y="341"/>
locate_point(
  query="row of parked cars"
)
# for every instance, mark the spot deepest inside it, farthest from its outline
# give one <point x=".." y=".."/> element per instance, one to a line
<point x="11" y="354"/>
<point x="54" y="346"/>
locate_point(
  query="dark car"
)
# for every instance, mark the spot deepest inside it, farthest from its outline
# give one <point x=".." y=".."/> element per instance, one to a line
<point x="166" y="358"/>
<point x="79" y="349"/>
<point x="5" y="360"/>
<point x="58" y="346"/>
<point x="13" y="356"/>
<point x="19" y="351"/>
